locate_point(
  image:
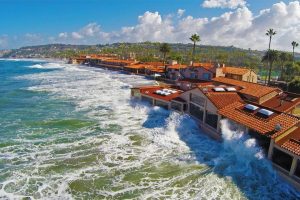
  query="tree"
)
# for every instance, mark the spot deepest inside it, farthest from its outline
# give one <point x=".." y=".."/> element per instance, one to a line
<point x="164" y="49"/>
<point x="294" y="86"/>
<point x="194" y="38"/>
<point x="294" y="44"/>
<point x="283" y="58"/>
<point x="270" y="56"/>
<point x="270" y="33"/>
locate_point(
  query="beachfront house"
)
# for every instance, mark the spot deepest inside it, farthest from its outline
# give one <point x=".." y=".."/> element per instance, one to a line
<point x="208" y="71"/>
<point x="165" y="97"/>
<point x="242" y="105"/>
<point x="203" y="104"/>
<point x="200" y="71"/>
<point x="237" y="73"/>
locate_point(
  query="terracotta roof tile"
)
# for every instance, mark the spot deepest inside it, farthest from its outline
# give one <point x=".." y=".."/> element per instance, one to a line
<point x="292" y="146"/>
<point x="291" y="141"/>
<point x="252" y="89"/>
<point x="264" y="126"/>
<point x="157" y="64"/>
<point x="150" y="91"/>
<point x="283" y="102"/>
<point x="222" y="99"/>
<point x="136" y="66"/>
<point x="205" y="65"/>
<point x="177" y="66"/>
<point x="235" y="70"/>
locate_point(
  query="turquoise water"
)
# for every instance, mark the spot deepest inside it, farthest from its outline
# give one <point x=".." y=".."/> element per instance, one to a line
<point x="71" y="132"/>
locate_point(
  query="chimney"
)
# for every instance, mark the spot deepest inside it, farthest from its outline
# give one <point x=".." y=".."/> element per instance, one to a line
<point x="281" y="102"/>
<point x="173" y="62"/>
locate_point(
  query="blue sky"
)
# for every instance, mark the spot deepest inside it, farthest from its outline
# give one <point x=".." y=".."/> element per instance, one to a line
<point x="41" y="21"/>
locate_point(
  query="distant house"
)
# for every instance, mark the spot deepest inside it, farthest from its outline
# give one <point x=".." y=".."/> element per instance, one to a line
<point x="200" y="71"/>
<point x="174" y="71"/>
<point x="237" y="73"/>
<point x="208" y="71"/>
<point x="154" y="68"/>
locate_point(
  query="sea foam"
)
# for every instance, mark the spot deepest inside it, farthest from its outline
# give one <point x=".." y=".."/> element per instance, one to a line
<point x="132" y="150"/>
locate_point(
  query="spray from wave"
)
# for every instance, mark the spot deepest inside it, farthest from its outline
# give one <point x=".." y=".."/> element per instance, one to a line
<point x="116" y="148"/>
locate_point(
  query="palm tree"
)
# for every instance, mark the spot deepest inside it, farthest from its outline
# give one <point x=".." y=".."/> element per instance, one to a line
<point x="270" y="33"/>
<point x="194" y="38"/>
<point x="283" y="58"/>
<point x="294" y="44"/>
<point x="164" y="48"/>
<point x="270" y="56"/>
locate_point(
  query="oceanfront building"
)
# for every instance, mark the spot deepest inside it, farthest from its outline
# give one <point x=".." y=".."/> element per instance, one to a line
<point x="170" y="70"/>
<point x="208" y="71"/>
<point x="248" y="106"/>
<point x="210" y="92"/>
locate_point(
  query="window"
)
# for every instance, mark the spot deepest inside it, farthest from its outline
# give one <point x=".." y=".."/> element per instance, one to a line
<point x="197" y="99"/>
<point x="147" y="99"/>
<point x="282" y="159"/>
<point x="192" y="75"/>
<point x="211" y="119"/>
<point x="184" y="107"/>
<point x="206" y="76"/>
<point x="176" y="106"/>
<point x="162" y="104"/>
<point x="196" y="111"/>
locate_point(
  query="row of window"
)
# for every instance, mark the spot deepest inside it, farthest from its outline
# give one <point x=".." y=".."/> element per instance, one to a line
<point x="197" y="99"/>
<point x="285" y="160"/>
<point x="210" y="118"/>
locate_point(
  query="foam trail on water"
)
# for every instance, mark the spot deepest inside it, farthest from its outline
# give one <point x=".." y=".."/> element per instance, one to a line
<point x="127" y="150"/>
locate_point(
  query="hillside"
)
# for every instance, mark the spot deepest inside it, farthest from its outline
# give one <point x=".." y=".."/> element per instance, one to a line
<point x="146" y="51"/>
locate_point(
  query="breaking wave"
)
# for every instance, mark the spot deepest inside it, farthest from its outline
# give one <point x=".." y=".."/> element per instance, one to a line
<point x="118" y="148"/>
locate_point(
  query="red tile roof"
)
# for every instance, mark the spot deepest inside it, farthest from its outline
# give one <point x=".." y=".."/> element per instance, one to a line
<point x="156" y="64"/>
<point x="205" y="65"/>
<point x="235" y="70"/>
<point x="236" y="112"/>
<point x="223" y="99"/>
<point x="283" y="102"/>
<point x="252" y="89"/>
<point x="291" y="141"/>
<point x="292" y="146"/>
<point x="177" y="66"/>
<point x="120" y="61"/>
<point x="155" y="69"/>
<point x="136" y="66"/>
<point x="150" y="91"/>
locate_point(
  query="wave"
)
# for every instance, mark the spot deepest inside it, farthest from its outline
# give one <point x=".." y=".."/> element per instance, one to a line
<point x="24" y="59"/>
<point x="132" y="150"/>
<point x="47" y="66"/>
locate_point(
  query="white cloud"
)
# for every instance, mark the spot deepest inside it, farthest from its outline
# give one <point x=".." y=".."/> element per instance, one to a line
<point x="239" y="27"/>
<point x="150" y="27"/>
<point x="232" y="4"/>
<point x="76" y="36"/>
<point x="180" y="12"/>
<point x="63" y="35"/>
<point x="90" y="30"/>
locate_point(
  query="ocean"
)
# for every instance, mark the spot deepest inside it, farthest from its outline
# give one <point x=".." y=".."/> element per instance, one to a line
<point x="72" y="132"/>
